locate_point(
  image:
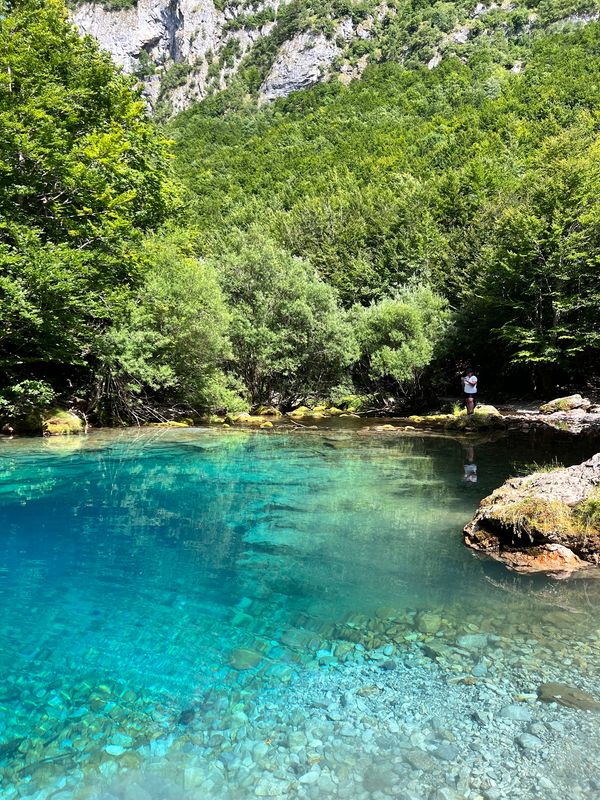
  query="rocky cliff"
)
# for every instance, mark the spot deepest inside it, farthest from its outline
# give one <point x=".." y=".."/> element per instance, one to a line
<point x="178" y="48"/>
<point x="184" y="50"/>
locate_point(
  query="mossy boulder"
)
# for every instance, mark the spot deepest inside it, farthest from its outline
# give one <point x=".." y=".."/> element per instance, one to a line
<point x="243" y="418"/>
<point x="52" y="422"/>
<point x="268" y="411"/>
<point x="484" y="417"/>
<point x="545" y="522"/>
<point x="62" y="423"/>
<point x="485" y="411"/>
<point x="299" y="412"/>
<point x="571" y="403"/>
<point x="318" y="412"/>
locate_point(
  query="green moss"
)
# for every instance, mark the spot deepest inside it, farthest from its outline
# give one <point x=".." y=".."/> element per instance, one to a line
<point x="353" y="402"/>
<point x="169" y="423"/>
<point x="301" y="411"/>
<point x="588" y="512"/>
<point x="268" y="411"/>
<point x="534" y="517"/>
<point x="61" y="423"/>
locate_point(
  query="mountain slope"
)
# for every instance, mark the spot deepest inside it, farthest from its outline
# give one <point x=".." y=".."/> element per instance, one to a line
<point x="185" y="50"/>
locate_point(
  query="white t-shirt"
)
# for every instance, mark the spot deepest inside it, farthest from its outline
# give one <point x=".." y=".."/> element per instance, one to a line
<point x="470" y="385"/>
<point x="470" y="473"/>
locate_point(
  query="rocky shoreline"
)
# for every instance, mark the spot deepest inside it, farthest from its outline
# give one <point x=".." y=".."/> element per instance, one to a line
<point x="574" y="415"/>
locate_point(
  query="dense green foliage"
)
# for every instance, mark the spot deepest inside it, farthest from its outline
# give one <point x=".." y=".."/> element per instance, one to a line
<point x="477" y="181"/>
<point x="82" y="175"/>
<point x="290" y="337"/>
<point x="367" y="239"/>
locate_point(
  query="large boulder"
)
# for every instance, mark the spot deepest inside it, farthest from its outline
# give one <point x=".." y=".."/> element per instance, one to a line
<point x="547" y="521"/>
<point x="52" y="422"/>
<point x="571" y="403"/>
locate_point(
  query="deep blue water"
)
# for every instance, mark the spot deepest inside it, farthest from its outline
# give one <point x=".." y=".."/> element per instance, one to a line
<point x="132" y="565"/>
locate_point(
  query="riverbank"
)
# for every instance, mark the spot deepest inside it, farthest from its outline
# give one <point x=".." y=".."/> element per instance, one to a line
<point x="485" y="418"/>
<point x="572" y="415"/>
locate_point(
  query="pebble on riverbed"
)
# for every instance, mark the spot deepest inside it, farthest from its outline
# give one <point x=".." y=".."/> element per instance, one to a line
<point x="412" y="704"/>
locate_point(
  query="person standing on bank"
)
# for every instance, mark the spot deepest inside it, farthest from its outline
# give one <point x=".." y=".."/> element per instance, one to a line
<point x="469" y="384"/>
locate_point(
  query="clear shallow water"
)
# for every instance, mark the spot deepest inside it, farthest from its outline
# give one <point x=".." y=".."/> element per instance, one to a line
<point x="146" y="575"/>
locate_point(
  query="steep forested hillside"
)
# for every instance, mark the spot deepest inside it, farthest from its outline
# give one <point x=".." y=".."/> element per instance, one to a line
<point x="362" y="240"/>
<point x="480" y="183"/>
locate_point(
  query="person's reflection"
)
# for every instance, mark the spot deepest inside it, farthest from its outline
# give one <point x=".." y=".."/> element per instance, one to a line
<point x="470" y="467"/>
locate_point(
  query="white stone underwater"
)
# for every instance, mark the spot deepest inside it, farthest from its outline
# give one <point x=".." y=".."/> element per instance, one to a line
<point x="194" y="614"/>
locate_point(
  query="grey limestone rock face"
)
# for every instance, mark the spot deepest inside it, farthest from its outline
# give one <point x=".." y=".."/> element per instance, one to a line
<point x="301" y="62"/>
<point x="154" y="36"/>
<point x="168" y="32"/>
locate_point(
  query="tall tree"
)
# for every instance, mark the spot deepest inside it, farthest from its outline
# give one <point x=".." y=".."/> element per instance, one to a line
<point x="82" y="175"/>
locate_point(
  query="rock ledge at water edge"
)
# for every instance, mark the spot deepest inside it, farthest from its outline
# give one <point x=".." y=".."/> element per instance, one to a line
<point x="544" y="522"/>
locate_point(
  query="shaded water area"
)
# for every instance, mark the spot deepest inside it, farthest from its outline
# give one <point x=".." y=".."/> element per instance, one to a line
<point x="200" y="614"/>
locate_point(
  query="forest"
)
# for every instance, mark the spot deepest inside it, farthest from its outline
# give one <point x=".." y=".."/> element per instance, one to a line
<point x="351" y="244"/>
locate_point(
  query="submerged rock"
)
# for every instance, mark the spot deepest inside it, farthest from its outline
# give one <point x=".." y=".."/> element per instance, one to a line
<point x="567" y="696"/>
<point x="547" y="521"/>
<point x="472" y="641"/>
<point x="186" y="716"/>
<point x="516" y="712"/>
<point x="529" y="742"/>
<point x="428" y="622"/>
<point x="244" y="658"/>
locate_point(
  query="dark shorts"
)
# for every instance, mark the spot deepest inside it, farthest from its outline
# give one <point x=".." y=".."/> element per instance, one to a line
<point x="473" y="396"/>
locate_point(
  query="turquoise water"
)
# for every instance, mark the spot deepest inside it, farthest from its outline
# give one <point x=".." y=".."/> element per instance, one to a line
<point x="155" y="582"/>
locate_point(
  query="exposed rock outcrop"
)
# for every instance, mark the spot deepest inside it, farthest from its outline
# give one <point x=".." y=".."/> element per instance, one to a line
<point x="301" y="62"/>
<point x="179" y="43"/>
<point x="545" y="522"/>
<point x="182" y="50"/>
<point x="571" y="403"/>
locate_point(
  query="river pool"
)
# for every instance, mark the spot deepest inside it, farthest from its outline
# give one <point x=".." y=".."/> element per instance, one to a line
<point x="199" y="614"/>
